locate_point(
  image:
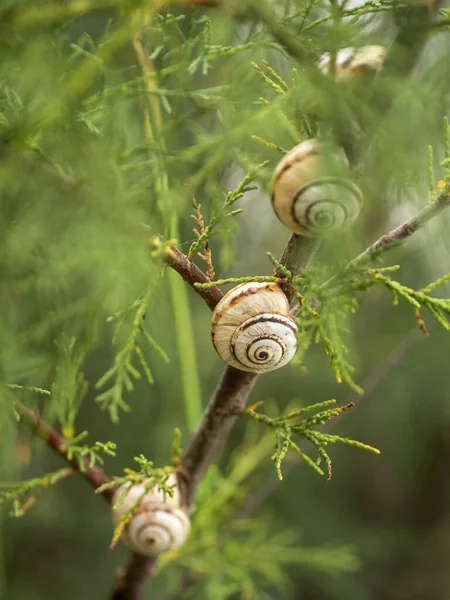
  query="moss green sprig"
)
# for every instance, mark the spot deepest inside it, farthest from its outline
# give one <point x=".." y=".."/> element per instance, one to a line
<point x="237" y="281"/>
<point x="289" y="425"/>
<point x="93" y="454"/>
<point x="69" y="386"/>
<point x="273" y="80"/>
<point x="284" y="271"/>
<point x="438" y="307"/>
<point x="22" y="495"/>
<point x="268" y="144"/>
<point x="430" y="174"/>
<point x="224" y="211"/>
<point x="176" y="447"/>
<point x="446" y="161"/>
<point x="123" y="371"/>
<point x="28" y="388"/>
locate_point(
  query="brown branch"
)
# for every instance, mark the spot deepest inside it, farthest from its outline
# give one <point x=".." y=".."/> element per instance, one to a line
<point x="406" y="229"/>
<point x="229" y="399"/>
<point x="192" y="274"/>
<point x="95" y="476"/>
<point x="235" y="386"/>
<point x="231" y="394"/>
<point x="227" y="402"/>
<point x="371" y="382"/>
<point x="138" y="570"/>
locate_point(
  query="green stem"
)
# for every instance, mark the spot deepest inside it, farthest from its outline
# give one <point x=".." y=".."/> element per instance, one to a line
<point x="3" y="593"/>
<point x="186" y="343"/>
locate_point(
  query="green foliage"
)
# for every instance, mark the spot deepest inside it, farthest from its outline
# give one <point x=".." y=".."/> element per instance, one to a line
<point x="15" y="387"/>
<point x="327" y="300"/>
<point x="22" y="495"/>
<point x="91" y="454"/>
<point x="123" y="371"/>
<point x="225" y="210"/>
<point x="69" y="386"/>
<point x="102" y="151"/>
<point x="289" y="425"/>
<point x="226" y="554"/>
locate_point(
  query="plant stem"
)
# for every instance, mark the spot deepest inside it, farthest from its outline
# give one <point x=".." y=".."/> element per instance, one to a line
<point x="136" y="572"/>
<point x="190" y="381"/>
<point x="95" y="476"/>
<point x="406" y="229"/>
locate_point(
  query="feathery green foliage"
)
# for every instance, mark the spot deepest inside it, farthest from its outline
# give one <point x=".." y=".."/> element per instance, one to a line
<point x="114" y="116"/>
<point x="227" y="553"/>
<point x="285" y="427"/>
<point x="22" y="495"/>
<point x="69" y="386"/>
<point x="123" y="371"/>
<point x="93" y="454"/>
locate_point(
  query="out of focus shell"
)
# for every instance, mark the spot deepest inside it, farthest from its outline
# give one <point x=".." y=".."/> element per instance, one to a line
<point x="354" y="62"/>
<point x="158" y="525"/>
<point x="311" y="194"/>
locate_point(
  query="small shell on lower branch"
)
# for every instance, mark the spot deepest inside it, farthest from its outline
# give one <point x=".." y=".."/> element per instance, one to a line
<point x="158" y="524"/>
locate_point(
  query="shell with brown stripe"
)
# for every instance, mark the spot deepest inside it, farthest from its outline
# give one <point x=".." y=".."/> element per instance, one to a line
<point x="352" y="63"/>
<point x="252" y="329"/>
<point x="311" y="193"/>
<point x="158" y="524"/>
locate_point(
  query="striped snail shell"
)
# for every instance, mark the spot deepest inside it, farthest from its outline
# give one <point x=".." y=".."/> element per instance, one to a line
<point x="252" y="329"/>
<point x="311" y="194"/>
<point x="354" y="62"/>
<point x="158" y="524"/>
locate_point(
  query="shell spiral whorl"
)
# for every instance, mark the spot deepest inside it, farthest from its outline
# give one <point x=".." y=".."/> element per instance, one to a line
<point x="311" y="195"/>
<point x="252" y="329"/>
<point x="158" y="525"/>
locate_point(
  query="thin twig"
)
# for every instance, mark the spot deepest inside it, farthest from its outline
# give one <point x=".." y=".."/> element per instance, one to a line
<point x="147" y="68"/>
<point x="207" y="255"/>
<point x="131" y="579"/>
<point x="400" y="233"/>
<point x="406" y="229"/>
<point x="227" y="402"/>
<point x="95" y="476"/>
<point x="192" y="274"/>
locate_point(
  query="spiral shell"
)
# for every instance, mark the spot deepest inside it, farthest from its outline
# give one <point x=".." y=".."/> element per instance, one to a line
<point x="354" y="62"/>
<point x="158" y="524"/>
<point x="252" y="329"/>
<point x="311" y="194"/>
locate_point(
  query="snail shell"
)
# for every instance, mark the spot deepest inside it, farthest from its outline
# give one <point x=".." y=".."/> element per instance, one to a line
<point x="158" y="524"/>
<point x="252" y="329"/>
<point x="354" y="62"/>
<point x="311" y="194"/>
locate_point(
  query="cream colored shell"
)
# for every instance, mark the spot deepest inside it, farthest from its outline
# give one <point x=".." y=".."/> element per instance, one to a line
<point x="158" y="525"/>
<point x="354" y="62"/>
<point x="311" y="194"/>
<point x="252" y="329"/>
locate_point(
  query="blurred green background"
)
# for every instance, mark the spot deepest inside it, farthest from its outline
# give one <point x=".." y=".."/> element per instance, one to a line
<point x="72" y="252"/>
